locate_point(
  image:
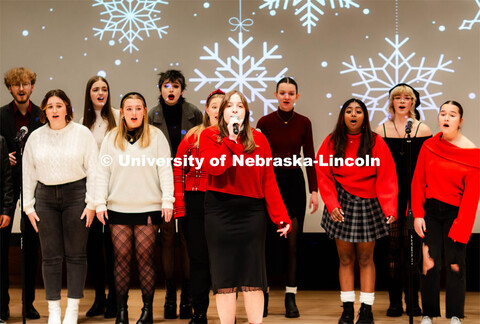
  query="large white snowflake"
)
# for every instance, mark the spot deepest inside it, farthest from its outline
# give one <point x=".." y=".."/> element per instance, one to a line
<point x="396" y="68"/>
<point x="468" y="24"/>
<point x="242" y="72"/>
<point x="309" y="10"/>
<point x="129" y="19"/>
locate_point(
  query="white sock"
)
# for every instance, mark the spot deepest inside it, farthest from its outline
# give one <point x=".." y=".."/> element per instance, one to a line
<point x="367" y="298"/>
<point x="54" y="312"/>
<point x="292" y="290"/>
<point x="71" y="313"/>
<point x="347" y="296"/>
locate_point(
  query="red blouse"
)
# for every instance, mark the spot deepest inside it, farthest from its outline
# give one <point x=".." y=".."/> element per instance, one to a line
<point x="452" y="175"/>
<point x="186" y="175"/>
<point x="374" y="181"/>
<point x="230" y="177"/>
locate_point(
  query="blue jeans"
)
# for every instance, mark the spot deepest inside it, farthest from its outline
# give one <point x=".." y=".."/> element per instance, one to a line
<point x="62" y="235"/>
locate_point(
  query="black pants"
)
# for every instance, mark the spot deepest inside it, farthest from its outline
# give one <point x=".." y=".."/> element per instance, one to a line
<point x="194" y="229"/>
<point x="30" y="244"/>
<point x="439" y="218"/>
<point x="100" y="236"/>
<point x="62" y="235"/>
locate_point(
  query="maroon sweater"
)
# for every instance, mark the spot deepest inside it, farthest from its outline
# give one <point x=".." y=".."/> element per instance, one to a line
<point x="286" y="140"/>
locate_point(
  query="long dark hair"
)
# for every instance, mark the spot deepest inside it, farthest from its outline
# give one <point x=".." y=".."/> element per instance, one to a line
<point x="89" y="116"/>
<point x="338" y="138"/>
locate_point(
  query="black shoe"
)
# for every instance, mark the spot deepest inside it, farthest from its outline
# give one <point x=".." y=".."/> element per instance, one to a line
<point x="186" y="309"/>
<point x="291" y="310"/>
<point x="170" y="307"/>
<point x="348" y="314"/>
<point x="417" y="311"/>
<point x="5" y="313"/>
<point x="365" y="315"/>
<point x="265" y="304"/>
<point x="31" y="312"/>
<point x="147" y="311"/>
<point x="122" y="307"/>
<point x="110" y="307"/>
<point x="98" y="307"/>
<point x="395" y="310"/>
<point x="199" y="318"/>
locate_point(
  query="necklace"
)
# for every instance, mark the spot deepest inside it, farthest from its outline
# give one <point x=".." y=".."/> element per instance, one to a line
<point x="395" y="126"/>
<point x="283" y="120"/>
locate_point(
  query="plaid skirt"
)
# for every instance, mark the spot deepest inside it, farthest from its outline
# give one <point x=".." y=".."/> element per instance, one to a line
<point x="364" y="220"/>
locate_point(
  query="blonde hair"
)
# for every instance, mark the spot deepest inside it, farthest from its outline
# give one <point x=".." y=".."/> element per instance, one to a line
<point x="397" y="91"/>
<point x="121" y="130"/>
<point x="246" y="133"/>
<point x="197" y="130"/>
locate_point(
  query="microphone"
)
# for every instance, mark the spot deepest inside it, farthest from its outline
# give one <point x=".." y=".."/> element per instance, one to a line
<point x="235" y="124"/>
<point x="21" y="134"/>
<point x="408" y="127"/>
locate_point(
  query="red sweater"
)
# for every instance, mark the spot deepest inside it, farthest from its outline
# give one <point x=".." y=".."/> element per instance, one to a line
<point x="286" y="140"/>
<point x="186" y="176"/>
<point x="249" y="181"/>
<point x="452" y="175"/>
<point x="362" y="181"/>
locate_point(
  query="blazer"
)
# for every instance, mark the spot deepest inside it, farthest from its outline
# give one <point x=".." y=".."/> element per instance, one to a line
<point x="7" y="206"/>
<point x="9" y="131"/>
<point x="191" y="117"/>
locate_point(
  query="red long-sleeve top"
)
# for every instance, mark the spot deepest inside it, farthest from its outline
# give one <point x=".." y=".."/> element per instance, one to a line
<point x="452" y="175"/>
<point x="186" y="176"/>
<point x="250" y="181"/>
<point x="287" y="139"/>
<point x="374" y="181"/>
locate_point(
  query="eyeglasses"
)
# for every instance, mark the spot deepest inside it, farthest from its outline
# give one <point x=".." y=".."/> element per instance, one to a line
<point x="20" y="85"/>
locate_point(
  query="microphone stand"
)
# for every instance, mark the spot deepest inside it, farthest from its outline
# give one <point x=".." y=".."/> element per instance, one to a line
<point x="22" y="231"/>
<point x="410" y="224"/>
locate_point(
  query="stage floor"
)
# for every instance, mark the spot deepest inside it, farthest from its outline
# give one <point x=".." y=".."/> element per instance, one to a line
<point x="315" y="307"/>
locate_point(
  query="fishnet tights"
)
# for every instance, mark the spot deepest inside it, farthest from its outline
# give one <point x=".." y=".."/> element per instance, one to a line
<point x="124" y="238"/>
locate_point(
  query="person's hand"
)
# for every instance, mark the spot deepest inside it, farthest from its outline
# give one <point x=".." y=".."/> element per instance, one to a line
<point x="101" y="216"/>
<point x="390" y="219"/>
<point x="4" y="220"/>
<point x="33" y="220"/>
<point x="313" y="205"/>
<point x="12" y="158"/>
<point x="284" y="230"/>
<point x="167" y="214"/>
<point x="234" y="120"/>
<point x="89" y="214"/>
<point x="337" y="215"/>
<point x="420" y="226"/>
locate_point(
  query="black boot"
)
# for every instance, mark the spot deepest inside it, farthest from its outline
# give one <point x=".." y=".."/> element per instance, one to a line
<point x="348" y="314"/>
<point x="199" y="318"/>
<point x="98" y="307"/>
<point x="365" y="315"/>
<point x="395" y="295"/>
<point x="122" y="310"/>
<point x="291" y="310"/>
<point x="111" y="306"/>
<point x="265" y="303"/>
<point x="170" y="307"/>
<point x="186" y="309"/>
<point x="147" y="313"/>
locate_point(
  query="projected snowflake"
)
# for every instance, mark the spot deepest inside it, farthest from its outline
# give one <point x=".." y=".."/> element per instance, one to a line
<point x="395" y="69"/>
<point x="468" y="24"/>
<point x="129" y="19"/>
<point x="242" y="72"/>
<point x="309" y="10"/>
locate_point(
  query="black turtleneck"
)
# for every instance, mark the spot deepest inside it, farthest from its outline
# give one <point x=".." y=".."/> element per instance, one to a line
<point x="173" y="119"/>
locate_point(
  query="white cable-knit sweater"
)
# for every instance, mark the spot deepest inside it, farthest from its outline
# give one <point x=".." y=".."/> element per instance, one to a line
<point x="130" y="187"/>
<point x="55" y="157"/>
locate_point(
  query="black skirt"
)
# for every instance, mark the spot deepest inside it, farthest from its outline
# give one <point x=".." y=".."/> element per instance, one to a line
<point x="118" y="218"/>
<point x="235" y="228"/>
<point x="364" y="220"/>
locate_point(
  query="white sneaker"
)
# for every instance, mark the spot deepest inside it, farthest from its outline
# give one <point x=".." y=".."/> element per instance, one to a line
<point x="455" y="320"/>
<point x="426" y="320"/>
